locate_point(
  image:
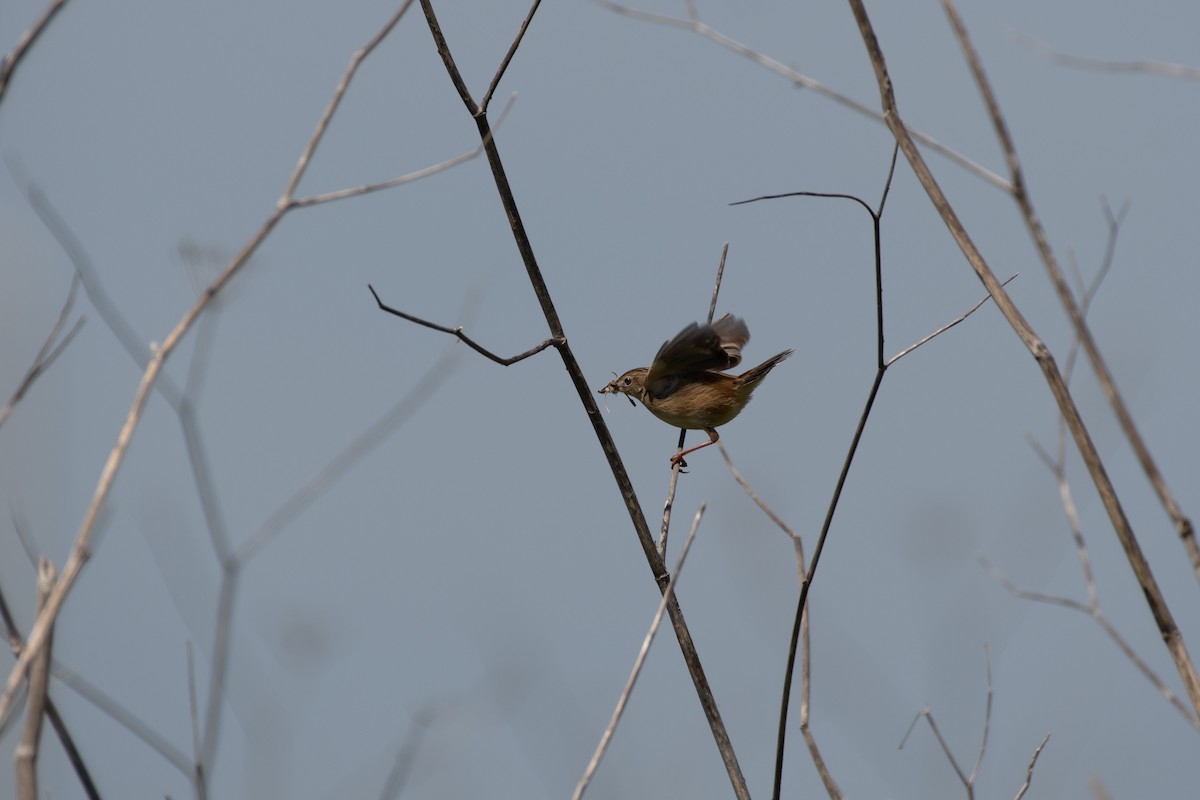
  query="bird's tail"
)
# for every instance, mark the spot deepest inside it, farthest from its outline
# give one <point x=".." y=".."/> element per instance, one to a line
<point x="752" y="377"/>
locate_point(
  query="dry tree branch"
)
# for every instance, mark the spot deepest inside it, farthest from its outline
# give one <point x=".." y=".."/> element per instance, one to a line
<point x="508" y="57"/>
<point x="987" y="716"/>
<point x="56" y="720"/>
<point x="694" y="24"/>
<point x="25" y="758"/>
<point x="123" y="717"/>
<point x="937" y="734"/>
<point x="1141" y="66"/>
<point x="831" y="787"/>
<point x="1093" y="611"/>
<point x="1183" y="525"/>
<point x="623" y="699"/>
<point x="80" y="550"/>
<point x="677" y="466"/>
<point x="1029" y="770"/>
<point x="49" y="352"/>
<point x="948" y="325"/>
<point x="607" y="445"/>
<point x="969" y="781"/>
<point x="1042" y="356"/>
<point x="10" y="61"/>
<point x="467" y="340"/>
<point x="409" y="177"/>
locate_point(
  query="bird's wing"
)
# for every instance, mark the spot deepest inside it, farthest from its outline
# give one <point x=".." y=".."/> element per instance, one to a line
<point x="697" y="348"/>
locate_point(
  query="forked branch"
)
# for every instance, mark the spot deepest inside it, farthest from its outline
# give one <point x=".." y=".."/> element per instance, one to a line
<point x="555" y="341"/>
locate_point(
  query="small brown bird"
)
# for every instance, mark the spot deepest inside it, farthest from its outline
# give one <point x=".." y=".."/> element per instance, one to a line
<point x="684" y="386"/>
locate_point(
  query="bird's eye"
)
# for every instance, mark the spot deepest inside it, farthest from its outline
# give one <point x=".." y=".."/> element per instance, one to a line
<point x="628" y="380"/>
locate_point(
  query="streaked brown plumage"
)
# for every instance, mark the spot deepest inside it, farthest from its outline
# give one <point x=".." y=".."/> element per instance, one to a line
<point x="684" y="385"/>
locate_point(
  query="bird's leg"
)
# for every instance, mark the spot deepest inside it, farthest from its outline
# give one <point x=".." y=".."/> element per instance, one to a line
<point x="713" y="436"/>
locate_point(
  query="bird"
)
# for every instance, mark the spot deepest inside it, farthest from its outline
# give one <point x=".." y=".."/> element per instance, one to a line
<point x="685" y="386"/>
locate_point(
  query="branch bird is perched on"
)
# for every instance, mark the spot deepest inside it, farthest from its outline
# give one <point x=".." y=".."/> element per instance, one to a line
<point x="684" y="385"/>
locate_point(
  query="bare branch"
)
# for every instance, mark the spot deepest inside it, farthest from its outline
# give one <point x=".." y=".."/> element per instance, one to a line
<point x="9" y="63"/>
<point x="947" y="326"/>
<point x="928" y="715"/>
<point x="712" y="306"/>
<point x="831" y="786"/>
<point x="1095" y="613"/>
<point x="355" y="191"/>
<point x="677" y="465"/>
<point x="356" y="59"/>
<point x="638" y="662"/>
<point x="458" y="332"/>
<point x="803" y="81"/>
<point x="48" y="353"/>
<point x="987" y="716"/>
<point x="123" y="717"/>
<point x="1032" y="763"/>
<point x="1140" y="66"/>
<point x="512" y="50"/>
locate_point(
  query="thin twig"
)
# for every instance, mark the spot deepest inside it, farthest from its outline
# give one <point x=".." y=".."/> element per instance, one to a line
<point x="1029" y="771"/>
<point x="1141" y="66"/>
<point x="49" y="352"/>
<point x="987" y="716"/>
<point x="458" y="332"/>
<point x="331" y="108"/>
<point x="669" y="503"/>
<point x="9" y="63"/>
<point x="1095" y="613"/>
<point x="937" y="734"/>
<point x="947" y="326"/>
<point x="831" y="786"/>
<point x="391" y="183"/>
<point x="712" y="305"/>
<point x="638" y="662"/>
<point x="123" y="717"/>
<point x="508" y="57"/>
<point x="677" y="466"/>
<point x="803" y="81"/>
